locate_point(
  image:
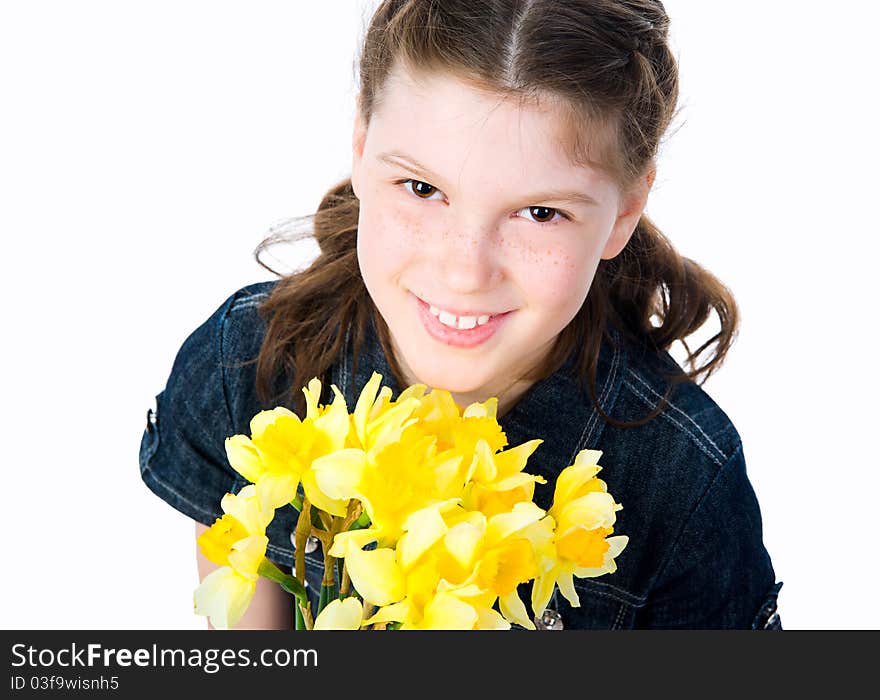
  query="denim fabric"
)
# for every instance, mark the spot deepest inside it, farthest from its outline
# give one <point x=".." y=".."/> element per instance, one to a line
<point x="695" y="558"/>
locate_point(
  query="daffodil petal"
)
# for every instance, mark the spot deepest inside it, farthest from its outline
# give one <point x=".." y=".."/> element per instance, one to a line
<point x="423" y="529"/>
<point x="276" y="490"/>
<point x="414" y="391"/>
<point x="515" y="481"/>
<point x="588" y="457"/>
<point x="462" y="541"/>
<point x="542" y="589"/>
<point x="396" y="612"/>
<point x="247" y="554"/>
<point x="335" y="422"/>
<point x="483" y="468"/>
<point x="352" y="539"/>
<point x="312" y="393"/>
<point x="264" y="419"/>
<point x="245" y="508"/>
<point x="513" y="460"/>
<point x="572" y="482"/>
<point x="339" y="474"/>
<point x="447" y="612"/>
<point x="566" y="587"/>
<point x="345" y="614"/>
<point x="244" y="457"/>
<point x="595" y="509"/>
<point x="489" y="619"/>
<point x="514" y="610"/>
<point x="223" y="596"/>
<point x="334" y="506"/>
<point x="364" y="405"/>
<point x="615" y="547"/>
<point x="504" y="525"/>
<point x="376" y="575"/>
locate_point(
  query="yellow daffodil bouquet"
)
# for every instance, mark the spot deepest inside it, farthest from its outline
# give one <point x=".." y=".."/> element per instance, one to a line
<point x="425" y="522"/>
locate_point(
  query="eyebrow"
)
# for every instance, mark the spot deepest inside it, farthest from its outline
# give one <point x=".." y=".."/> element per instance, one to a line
<point x="568" y="196"/>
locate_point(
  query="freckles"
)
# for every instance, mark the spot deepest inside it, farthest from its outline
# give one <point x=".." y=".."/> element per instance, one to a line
<point x="544" y="257"/>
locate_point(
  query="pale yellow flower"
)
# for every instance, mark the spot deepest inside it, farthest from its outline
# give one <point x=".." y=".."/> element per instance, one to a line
<point x="449" y="575"/>
<point x="496" y="482"/>
<point x="404" y="477"/>
<point x="278" y="454"/>
<point x="345" y="614"/>
<point x="237" y="543"/>
<point x="573" y="539"/>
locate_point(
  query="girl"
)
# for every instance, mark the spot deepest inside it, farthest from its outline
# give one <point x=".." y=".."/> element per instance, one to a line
<point x="491" y="241"/>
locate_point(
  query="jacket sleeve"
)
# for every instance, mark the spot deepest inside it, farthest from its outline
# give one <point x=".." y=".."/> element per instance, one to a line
<point x="182" y="453"/>
<point x="718" y="574"/>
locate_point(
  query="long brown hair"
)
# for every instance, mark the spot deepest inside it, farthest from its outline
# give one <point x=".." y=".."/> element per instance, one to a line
<point x="609" y="64"/>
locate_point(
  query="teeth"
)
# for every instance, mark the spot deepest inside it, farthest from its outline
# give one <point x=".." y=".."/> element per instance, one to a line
<point x="447" y="319"/>
<point x="464" y="323"/>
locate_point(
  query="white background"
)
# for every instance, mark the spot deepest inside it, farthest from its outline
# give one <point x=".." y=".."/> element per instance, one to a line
<point x="146" y="148"/>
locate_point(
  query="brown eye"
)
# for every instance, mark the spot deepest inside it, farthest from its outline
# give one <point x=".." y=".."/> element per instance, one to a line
<point x="542" y="214"/>
<point x="423" y="189"/>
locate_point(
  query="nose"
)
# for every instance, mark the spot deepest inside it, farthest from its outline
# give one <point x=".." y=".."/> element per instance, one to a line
<point x="468" y="258"/>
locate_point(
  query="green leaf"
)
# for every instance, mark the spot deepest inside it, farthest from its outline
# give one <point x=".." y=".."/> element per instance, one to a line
<point x="316" y="519"/>
<point x="327" y="594"/>
<point x="361" y="522"/>
<point x="286" y="581"/>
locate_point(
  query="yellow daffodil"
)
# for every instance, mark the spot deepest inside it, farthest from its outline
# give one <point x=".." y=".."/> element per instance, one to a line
<point x="236" y="542"/>
<point x="496" y="482"/>
<point x="345" y="614"/>
<point x="404" y="477"/>
<point x="278" y="454"/>
<point x="449" y="577"/>
<point x="439" y="415"/>
<point x="378" y="421"/>
<point x="573" y="539"/>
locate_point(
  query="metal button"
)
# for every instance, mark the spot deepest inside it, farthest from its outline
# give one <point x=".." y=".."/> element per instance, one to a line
<point x="549" y="620"/>
<point x="311" y="543"/>
<point x="151" y="419"/>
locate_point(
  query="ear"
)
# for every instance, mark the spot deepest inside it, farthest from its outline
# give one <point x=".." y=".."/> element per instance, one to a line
<point x="358" y="138"/>
<point x="632" y="204"/>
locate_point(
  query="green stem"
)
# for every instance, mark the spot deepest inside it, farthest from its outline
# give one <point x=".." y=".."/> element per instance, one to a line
<point x="300" y="535"/>
<point x="345" y="581"/>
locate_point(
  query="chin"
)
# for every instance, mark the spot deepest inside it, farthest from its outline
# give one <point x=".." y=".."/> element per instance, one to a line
<point x="453" y="380"/>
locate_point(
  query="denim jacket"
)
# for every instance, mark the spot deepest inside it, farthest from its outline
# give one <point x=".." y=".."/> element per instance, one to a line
<point x="695" y="557"/>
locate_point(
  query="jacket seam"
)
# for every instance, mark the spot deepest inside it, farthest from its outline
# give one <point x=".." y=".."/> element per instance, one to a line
<point x="151" y="475"/>
<point x="220" y="336"/>
<point x="249" y="301"/>
<point x="607" y="591"/>
<point x="608" y="391"/>
<point x="676" y="408"/>
<point x="673" y="549"/>
<point x="703" y="448"/>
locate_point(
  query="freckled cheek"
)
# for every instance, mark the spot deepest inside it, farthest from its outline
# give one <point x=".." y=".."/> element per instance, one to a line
<point x="388" y="242"/>
<point x="555" y="280"/>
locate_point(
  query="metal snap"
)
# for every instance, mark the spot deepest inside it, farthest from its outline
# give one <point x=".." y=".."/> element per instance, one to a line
<point x="151" y="419"/>
<point x="311" y="543"/>
<point x="549" y="620"/>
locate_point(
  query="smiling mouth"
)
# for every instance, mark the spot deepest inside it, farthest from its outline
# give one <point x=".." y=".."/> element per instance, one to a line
<point x="440" y="310"/>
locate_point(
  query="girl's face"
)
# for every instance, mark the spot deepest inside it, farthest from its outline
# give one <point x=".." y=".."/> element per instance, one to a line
<point x="469" y="204"/>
